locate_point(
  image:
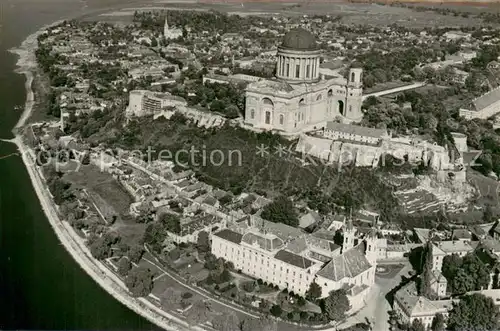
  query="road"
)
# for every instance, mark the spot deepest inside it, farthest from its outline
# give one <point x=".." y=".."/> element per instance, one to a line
<point x="377" y="307"/>
<point x="395" y="90"/>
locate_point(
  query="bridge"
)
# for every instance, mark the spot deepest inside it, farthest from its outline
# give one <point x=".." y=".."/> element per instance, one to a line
<point x="395" y="90"/>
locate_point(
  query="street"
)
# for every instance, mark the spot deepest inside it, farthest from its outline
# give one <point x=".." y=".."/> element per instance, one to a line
<point x="377" y="308"/>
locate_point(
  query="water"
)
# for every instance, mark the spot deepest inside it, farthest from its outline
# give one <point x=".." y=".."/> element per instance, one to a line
<point x="41" y="287"/>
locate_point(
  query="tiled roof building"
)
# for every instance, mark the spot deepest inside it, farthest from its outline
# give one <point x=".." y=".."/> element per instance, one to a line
<point x="292" y="259"/>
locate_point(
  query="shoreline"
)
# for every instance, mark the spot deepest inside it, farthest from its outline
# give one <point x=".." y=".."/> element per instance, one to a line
<point x="70" y="240"/>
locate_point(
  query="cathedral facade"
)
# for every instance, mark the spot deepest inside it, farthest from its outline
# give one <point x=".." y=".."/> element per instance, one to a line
<point x="299" y="99"/>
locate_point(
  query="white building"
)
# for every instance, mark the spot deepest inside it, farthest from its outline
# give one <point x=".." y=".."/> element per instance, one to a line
<point x="298" y="99"/>
<point x="191" y="227"/>
<point x="355" y="133"/>
<point x="170" y="33"/>
<point x="143" y="102"/>
<point x="485" y="106"/>
<point x="409" y="306"/>
<point x="441" y="249"/>
<point x="289" y="258"/>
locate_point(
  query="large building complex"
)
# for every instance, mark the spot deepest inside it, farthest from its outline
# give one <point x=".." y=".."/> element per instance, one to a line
<point x="291" y="259"/>
<point x="143" y="102"/>
<point x="299" y="98"/>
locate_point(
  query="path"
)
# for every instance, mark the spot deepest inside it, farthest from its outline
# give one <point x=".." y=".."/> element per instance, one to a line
<point x="197" y="291"/>
<point x="395" y="90"/>
<point x="377" y="307"/>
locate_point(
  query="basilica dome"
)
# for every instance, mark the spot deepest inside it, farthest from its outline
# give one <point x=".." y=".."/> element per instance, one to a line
<point x="299" y="39"/>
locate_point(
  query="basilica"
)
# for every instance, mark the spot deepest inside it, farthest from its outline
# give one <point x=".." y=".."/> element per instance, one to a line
<point x="299" y="99"/>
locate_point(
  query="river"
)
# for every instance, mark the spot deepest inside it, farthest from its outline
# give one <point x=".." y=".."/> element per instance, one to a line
<point x="41" y="286"/>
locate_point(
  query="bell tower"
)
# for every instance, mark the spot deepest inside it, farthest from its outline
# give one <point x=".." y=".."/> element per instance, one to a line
<point x="354" y="98"/>
<point x="349" y="235"/>
<point x="371" y="247"/>
<point x="165" y="26"/>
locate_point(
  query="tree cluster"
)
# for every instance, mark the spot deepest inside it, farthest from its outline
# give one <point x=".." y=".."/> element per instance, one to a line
<point x="140" y="281"/>
<point x="100" y="247"/>
<point x="219" y="270"/>
<point x="336" y="305"/>
<point x="474" y="312"/>
<point x="281" y="210"/>
<point x="465" y="274"/>
<point x="157" y="231"/>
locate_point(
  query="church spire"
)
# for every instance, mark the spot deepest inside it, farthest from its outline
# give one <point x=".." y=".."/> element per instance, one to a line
<point x="165" y="27"/>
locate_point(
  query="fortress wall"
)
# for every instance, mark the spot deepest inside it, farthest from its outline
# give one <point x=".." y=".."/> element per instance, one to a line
<point x="201" y="119"/>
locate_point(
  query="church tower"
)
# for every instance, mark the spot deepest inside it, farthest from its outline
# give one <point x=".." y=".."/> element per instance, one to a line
<point x="354" y="98"/>
<point x="165" y="27"/>
<point x="371" y="247"/>
<point x="349" y="235"/>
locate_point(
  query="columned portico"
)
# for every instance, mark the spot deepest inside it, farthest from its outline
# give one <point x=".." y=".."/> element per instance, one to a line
<point x="295" y="66"/>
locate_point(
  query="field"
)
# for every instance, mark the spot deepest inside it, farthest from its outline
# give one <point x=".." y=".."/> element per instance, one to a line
<point x="111" y="199"/>
<point x="349" y="13"/>
<point x="103" y="188"/>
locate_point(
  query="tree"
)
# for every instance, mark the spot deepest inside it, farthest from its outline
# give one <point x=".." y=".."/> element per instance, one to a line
<point x="276" y="310"/>
<point x="86" y="158"/>
<point x="474" y="267"/>
<point x="451" y="264"/>
<point x="140" y="281"/>
<point x="462" y="282"/>
<point x="124" y="266"/>
<point x="101" y="246"/>
<point x="465" y="274"/>
<point x="314" y="292"/>
<point x="249" y="286"/>
<point x="226" y="322"/>
<point x="417" y="325"/>
<point x="281" y="210"/>
<point x="199" y="312"/>
<point x="262" y="324"/>
<point x="473" y="312"/>
<point x="170" y="298"/>
<point x="171" y="222"/>
<point x="203" y="241"/>
<point x="488" y="214"/>
<point x="136" y="252"/>
<point x="438" y="322"/>
<point x="425" y="284"/>
<point x="336" y="305"/>
<point x="155" y="235"/>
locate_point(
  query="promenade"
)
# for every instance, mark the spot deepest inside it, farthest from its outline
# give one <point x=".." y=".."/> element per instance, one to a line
<point x="75" y="245"/>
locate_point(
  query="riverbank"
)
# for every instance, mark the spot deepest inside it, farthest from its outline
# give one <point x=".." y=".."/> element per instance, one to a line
<point x="76" y="247"/>
<point x="70" y="240"/>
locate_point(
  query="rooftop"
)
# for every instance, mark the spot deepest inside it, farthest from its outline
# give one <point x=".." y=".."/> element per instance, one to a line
<point x="355" y="130"/>
<point x="461" y="234"/>
<point x="293" y="259"/>
<point x="263" y="241"/>
<point x="347" y="265"/>
<point x="229" y="235"/>
<point x="420" y="306"/>
<point x="309" y="219"/>
<point x="451" y="246"/>
<point x="487" y="99"/>
<point x="299" y="39"/>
